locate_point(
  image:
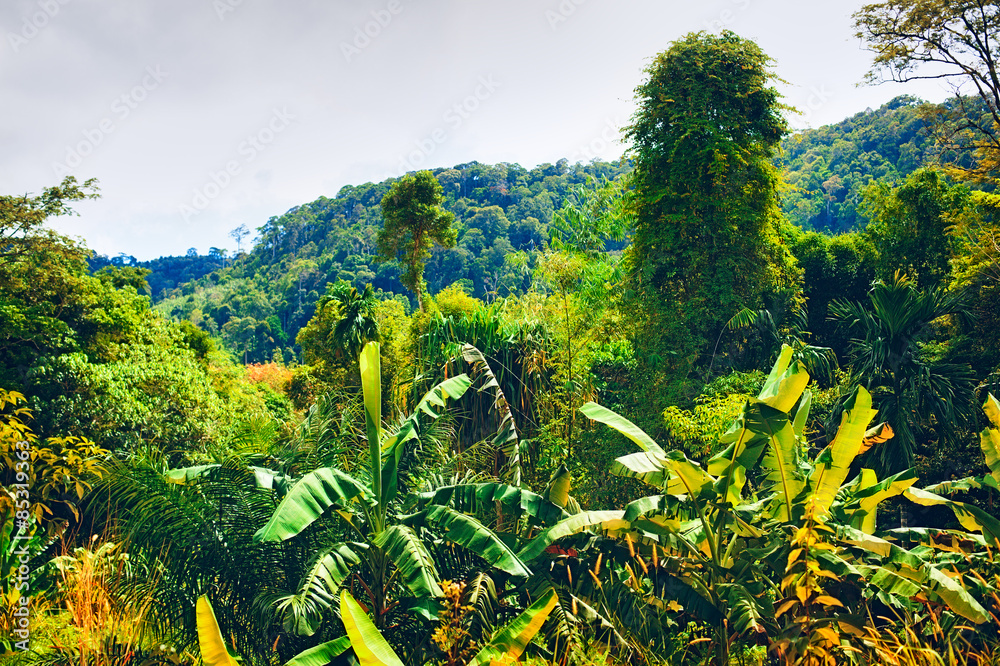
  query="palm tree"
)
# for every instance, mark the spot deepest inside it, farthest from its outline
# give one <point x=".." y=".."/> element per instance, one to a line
<point x="914" y="393"/>
<point x="357" y="324"/>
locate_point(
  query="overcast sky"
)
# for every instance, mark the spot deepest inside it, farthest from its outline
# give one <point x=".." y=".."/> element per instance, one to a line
<point x="197" y="116"/>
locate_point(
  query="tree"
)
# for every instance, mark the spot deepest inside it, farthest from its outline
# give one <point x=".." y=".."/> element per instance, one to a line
<point x="414" y="221"/>
<point x="914" y="393"/>
<point x="953" y="40"/>
<point x="239" y="234"/>
<point x="909" y="226"/>
<point x="707" y="240"/>
<point x="22" y="218"/>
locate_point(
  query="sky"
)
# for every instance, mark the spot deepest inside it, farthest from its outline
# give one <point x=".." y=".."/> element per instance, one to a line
<point x="198" y="116"/>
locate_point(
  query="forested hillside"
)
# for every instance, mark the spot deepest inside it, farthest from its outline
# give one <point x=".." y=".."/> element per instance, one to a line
<point x="827" y="169"/>
<point x="258" y="303"/>
<point x="638" y="413"/>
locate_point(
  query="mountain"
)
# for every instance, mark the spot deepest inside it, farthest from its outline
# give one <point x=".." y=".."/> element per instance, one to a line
<point x="259" y="300"/>
<point x="825" y="170"/>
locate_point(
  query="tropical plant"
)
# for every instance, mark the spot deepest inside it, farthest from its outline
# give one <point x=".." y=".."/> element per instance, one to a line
<point x="917" y="395"/>
<point x="386" y="555"/>
<point x="720" y="542"/>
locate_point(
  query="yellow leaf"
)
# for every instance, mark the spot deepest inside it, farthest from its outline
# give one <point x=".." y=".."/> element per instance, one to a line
<point x="828" y="601"/>
<point x="785" y="607"/>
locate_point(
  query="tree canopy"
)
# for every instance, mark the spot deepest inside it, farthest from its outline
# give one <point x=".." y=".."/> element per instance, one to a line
<point x="414" y="221"/>
<point x="707" y="240"/>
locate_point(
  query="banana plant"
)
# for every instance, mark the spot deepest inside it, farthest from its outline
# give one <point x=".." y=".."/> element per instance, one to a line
<point x="384" y="553"/>
<point x="372" y="649"/>
<point x="713" y="545"/>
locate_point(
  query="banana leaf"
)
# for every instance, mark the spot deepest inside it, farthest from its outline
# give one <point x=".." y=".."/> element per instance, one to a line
<point x="834" y="462"/>
<point x="647" y="466"/>
<point x="369" y="364"/>
<point x="322" y="654"/>
<point x="911" y="567"/>
<point x="303" y="611"/>
<point x="970" y="516"/>
<point x="213" y="647"/>
<point x="369" y="646"/>
<point x="416" y="566"/>
<point x="508" y="645"/>
<point x="308" y="500"/>
<point x="785" y="383"/>
<point x="469" y="533"/>
<point x="603" y="520"/>
<point x="989" y="439"/>
<point x="478" y="497"/>
<point x="609" y="418"/>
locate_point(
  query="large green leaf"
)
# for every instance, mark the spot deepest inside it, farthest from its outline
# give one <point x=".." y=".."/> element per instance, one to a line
<point x="785" y="383"/>
<point x="508" y="645"/>
<point x="371" y="386"/>
<point x="834" y="462"/>
<point x="506" y="439"/>
<point x="746" y="613"/>
<point x="392" y="447"/>
<point x="862" y="509"/>
<point x="603" y="415"/>
<point x="781" y="461"/>
<point x="183" y="475"/>
<point x="415" y="564"/>
<point x="369" y="645"/>
<point x="908" y="565"/>
<point x="557" y="491"/>
<point x="475" y="498"/>
<point x="322" y="654"/>
<point x="213" y="647"/>
<point x="647" y="466"/>
<point x="309" y="499"/>
<point x="687" y="477"/>
<point x="970" y="516"/>
<point x="989" y="439"/>
<point x="746" y="441"/>
<point x="469" y="533"/>
<point x="603" y="520"/>
<point x="263" y="477"/>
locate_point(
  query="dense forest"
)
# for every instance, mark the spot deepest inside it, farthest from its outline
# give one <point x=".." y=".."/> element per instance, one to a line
<point x="728" y="400"/>
<point x="257" y="301"/>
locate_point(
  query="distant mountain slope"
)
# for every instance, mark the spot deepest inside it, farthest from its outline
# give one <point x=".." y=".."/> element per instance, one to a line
<point x="260" y="300"/>
<point x="826" y="169"/>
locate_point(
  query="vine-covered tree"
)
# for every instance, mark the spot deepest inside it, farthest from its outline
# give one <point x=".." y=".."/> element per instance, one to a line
<point x="707" y="240"/>
<point x="414" y="221"/>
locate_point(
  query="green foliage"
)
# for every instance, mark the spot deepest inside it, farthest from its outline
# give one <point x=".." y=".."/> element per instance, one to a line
<point x="413" y="223"/>
<point x="950" y="40"/>
<point x="920" y="396"/>
<point x="826" y="170"/>
<point x="707" y="240"/>
<point x="909" y="226"/>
